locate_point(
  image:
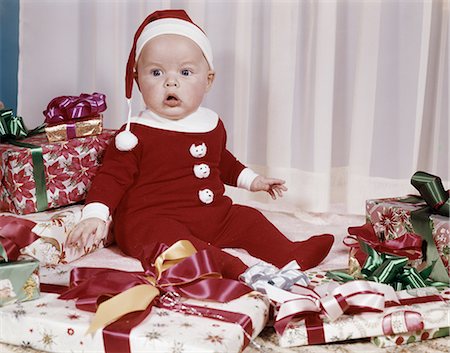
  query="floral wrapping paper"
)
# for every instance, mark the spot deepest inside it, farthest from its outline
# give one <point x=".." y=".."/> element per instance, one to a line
<point x="432" y="315"/>
<point x="19" y="281"/>
<point x="56" y="325"/>
<point x="391" y="219"/>
<point x="53" y="227"/>
<point x="69" y="168"/>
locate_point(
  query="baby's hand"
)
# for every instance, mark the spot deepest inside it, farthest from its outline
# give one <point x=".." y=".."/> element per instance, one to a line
<point x="273" y="186"/>
<point x="85" y="229"/>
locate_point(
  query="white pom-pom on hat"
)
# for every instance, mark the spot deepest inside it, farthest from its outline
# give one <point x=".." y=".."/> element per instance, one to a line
<point x="158" y="23"/>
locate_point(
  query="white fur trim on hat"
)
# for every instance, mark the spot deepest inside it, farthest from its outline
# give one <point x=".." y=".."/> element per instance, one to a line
<point x="175" y="26"/>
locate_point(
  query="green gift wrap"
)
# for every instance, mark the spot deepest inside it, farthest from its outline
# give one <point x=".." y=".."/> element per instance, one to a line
<point x="19" y="281"/>
<point x="426" y="215"/>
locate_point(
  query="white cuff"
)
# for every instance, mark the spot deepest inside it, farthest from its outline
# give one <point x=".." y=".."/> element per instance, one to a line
<point x="95" y="209"/>
<point x="245" y="179"/>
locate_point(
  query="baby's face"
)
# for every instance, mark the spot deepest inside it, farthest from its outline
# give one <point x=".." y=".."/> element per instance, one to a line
<point x="173" y="76"/>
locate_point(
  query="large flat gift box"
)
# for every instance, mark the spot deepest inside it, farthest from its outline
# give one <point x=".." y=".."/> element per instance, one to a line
<point x="394" y="217"/>
<point x="55" y="325"/>
<point x="417" y="311"/>
<point x="48" y="175"/>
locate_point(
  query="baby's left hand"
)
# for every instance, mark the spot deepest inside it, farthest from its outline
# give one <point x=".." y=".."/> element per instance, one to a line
<point x="273" y="186"/>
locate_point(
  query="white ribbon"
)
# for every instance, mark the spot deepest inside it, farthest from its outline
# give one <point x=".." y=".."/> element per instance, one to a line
<point x="263" y="274"/>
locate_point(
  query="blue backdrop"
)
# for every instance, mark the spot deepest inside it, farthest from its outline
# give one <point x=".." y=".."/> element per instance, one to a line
<point x="9" y="49"/>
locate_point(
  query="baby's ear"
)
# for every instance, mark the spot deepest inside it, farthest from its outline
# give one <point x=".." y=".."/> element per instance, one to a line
<point x="211" y="76"/>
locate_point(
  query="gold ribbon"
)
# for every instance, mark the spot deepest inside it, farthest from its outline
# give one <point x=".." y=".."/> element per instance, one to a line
<point x="139" y="297"/>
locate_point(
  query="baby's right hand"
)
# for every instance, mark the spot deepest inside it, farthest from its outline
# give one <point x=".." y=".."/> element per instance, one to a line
<point x="83" y="230"/>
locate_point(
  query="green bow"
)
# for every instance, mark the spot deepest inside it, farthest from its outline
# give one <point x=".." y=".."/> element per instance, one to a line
<point x="12" y="129"/>
<point x="390" y="269"/>
<point x="432" y="191"/>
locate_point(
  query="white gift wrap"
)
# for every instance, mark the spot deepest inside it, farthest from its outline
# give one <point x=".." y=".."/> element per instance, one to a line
<point x="53" y="228"/>
<point x="347" y="327"/>
<point x="55" y="325"/>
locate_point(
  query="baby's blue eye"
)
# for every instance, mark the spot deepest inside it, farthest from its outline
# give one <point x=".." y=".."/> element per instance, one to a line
<point x="156" y="72"/>
<point x="185" y="72"/>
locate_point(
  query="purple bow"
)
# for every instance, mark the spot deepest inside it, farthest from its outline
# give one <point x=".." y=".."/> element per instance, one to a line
<point x="66" y="108"/>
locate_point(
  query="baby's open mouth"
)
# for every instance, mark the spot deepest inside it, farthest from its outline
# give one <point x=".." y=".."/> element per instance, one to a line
<point x="172" y="100"/>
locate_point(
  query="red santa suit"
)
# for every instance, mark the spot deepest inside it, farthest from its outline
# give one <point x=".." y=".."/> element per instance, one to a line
<point x="171" y="187"/>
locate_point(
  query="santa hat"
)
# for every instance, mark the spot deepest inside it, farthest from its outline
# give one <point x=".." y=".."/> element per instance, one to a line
<point x="156" y="24"/>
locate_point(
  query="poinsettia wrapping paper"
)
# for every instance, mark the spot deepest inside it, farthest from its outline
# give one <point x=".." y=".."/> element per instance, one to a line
<point x="69" y="168"/>
<point x="432" y="314"/>
<point x="19" y="281"/>
<point x="53" y="227"/>
<point x="56" y="325"/>
<point x="391" y="219"/>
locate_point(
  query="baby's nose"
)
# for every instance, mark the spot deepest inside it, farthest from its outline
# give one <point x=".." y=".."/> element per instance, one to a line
<point x="171" y="83"/>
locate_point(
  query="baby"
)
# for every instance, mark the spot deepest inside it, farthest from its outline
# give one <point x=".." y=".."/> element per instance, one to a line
<point x="163" y="179"/>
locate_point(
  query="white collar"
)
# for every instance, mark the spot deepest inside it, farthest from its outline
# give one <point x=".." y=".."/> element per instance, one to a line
<point x="202" y="120"/>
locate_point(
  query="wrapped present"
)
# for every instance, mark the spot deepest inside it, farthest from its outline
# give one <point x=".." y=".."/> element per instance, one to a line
<point x="78" y="128"/>
<point x="181" y="303"/>
<point x="385" y="261"/>
<point x="19" y="281"/>
<point x="68" y="117"/>
<point x="50" y="230"/>
<point x="426" y="215"/>
<point x="358" y="309"/>
<point x="413" y="336"/>
<point x="409" y="337"/>
<point x="39" y="175"/>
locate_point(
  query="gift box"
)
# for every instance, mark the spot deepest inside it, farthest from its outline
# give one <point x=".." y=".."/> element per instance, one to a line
<point x="418" y="309"/>
<point x="47" y="175"/>
<point x="68" y="117"/>
<point x="409" y="337"/>
<point x="395" y="217"/>
<point x="54" y="325"/>
<point x="19" y="281"/>
<point x="77" y="128"/>
<point x="179" y="303"/>
<point x="51" y="229"/>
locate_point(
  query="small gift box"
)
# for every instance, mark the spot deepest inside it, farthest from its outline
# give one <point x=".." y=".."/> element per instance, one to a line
<point x="358" y="309"/>
<point x="426" y="216"/>
<point x="68" y="117"/>
<point x="50" y="230"/>
<point x="152" y="311"/>
<point x="78" y="128"/>
<point x="38" y="175"/>
<point x="19" y="281"/>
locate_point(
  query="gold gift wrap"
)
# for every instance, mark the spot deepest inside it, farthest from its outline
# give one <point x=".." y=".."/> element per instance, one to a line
<point x="85" y="127"/>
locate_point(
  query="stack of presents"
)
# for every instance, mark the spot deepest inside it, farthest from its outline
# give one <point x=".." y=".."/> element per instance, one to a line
<point x="395" y="290"/>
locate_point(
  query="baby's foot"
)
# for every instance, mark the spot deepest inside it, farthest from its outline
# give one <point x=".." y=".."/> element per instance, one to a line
<point x="311" y="252"/>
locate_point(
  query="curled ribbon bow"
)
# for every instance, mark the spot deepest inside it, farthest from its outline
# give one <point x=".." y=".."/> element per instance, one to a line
<point x="66" y="108"/>
<point x="258" y="275"/>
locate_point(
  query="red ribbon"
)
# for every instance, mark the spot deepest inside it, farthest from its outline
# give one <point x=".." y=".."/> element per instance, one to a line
<point x="91" y="286"/>
<point x="66" y="108"/>
<point x="402" y="321"/>
<point x="15" y="234"/>
<point x="408" y="245"/>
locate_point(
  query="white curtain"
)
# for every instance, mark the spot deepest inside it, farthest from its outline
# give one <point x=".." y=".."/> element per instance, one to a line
<point x="343" y="99"/>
